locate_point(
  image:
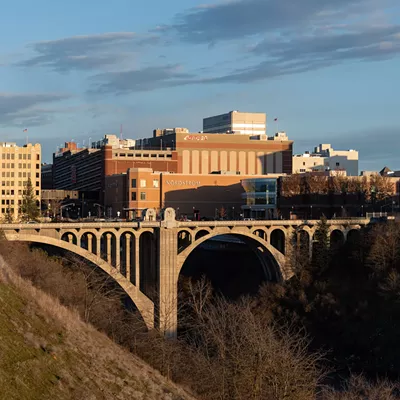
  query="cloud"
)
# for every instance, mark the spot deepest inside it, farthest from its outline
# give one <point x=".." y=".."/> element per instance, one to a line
<point x="243" y="18"/>
<point x="144" y="79"/>
<point x="23" y="110"/>
<point x="87" y="52"/>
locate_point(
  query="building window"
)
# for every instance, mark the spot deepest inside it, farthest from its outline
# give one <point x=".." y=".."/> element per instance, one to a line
<point x="37" y="166"/>
<point x="337" y="164"/>
<point x="143" y="183"/>
<point x="37" y="174"/>
<point x="133" y="183"/>
<point x="142" y="195"/>
<point x="155" y="183"/>
<point x="133" y="196"/>
<point x="304" y="163"/>
<point x="37" y="192"/>
<point x="37" y="157"/>
<point x="37" y="183"/>
<point x="302" y="170"/>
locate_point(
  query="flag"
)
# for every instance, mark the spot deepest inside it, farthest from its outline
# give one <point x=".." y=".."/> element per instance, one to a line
<point x="275" y="119"/>
<point x="25" y="130"/>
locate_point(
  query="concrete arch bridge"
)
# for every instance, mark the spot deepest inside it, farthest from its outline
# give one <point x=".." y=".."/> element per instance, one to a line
<point x="145" y="258"/>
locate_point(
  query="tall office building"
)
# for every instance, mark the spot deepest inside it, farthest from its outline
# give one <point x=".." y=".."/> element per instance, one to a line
<point x="236" y="122"/>
<point x="18" y="164"/>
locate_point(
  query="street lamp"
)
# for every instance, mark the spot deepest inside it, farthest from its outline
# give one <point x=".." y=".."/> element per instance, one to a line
<point x="311" y="212"/>
<point x="233" y="212"/>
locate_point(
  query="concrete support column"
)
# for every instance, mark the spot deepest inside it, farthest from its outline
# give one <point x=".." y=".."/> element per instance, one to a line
<point x="167" y="307"/>
<point x="128" y="256"/>
<point x="137" y="262"/>
<point x="90" y="242"/>
<point x="109" y="248"/>
<point x="98" y="246"/>
<point x="118" y="253"/>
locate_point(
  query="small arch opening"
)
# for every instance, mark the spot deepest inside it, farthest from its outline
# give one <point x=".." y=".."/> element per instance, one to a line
<point x="336" y="239"/>
<point x="127" y="256"/>
<point x="260" y="233"/>
<point x="108" y="247"/>
<point x="201" y="234"/>
<point x="69" y="237"/>
<point x="89" y="242"/>
<point x="278" y="240"/>
<point x="147" y="265"/>
<point x="184" y="240"/>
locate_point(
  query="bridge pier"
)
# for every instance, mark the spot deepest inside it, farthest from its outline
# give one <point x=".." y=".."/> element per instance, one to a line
<point x="167" y="302"/>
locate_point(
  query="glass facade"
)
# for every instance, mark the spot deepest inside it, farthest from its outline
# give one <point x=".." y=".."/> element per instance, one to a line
<point x="260" y="197"/>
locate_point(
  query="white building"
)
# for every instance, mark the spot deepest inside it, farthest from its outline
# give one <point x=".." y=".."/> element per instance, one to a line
<point x="325" y="158"/>
<point x="115" y="142"/>
<point x="236" y="122"/>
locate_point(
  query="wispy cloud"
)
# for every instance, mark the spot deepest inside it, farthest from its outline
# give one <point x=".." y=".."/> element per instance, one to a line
<point x="144" y="79"/>
<point x="87" y="52"/>
<point x="22" y="110"/>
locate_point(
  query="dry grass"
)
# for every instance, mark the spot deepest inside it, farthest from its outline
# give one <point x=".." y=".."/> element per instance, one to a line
<point x="47" y="351"/>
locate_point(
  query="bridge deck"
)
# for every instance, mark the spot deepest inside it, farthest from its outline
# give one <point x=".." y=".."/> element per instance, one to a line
<point x="155" y="224"/>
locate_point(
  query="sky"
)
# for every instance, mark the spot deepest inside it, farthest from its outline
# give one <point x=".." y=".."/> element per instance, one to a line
<point x="328" y="70"/>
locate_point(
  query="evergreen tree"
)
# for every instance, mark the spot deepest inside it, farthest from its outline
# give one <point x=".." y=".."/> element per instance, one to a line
<point x="321" y="248"/>
<point x="29" y="208"/>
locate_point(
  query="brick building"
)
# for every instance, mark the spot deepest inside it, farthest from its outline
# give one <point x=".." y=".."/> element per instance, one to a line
<point x="204" y="195"/>
<point x="171" y="151"/>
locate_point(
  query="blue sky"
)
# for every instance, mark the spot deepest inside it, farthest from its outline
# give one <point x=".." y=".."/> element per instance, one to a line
<point x="328" y="70"/>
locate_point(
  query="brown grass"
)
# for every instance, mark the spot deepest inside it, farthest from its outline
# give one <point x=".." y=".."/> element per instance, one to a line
<point x="47" y="351"/>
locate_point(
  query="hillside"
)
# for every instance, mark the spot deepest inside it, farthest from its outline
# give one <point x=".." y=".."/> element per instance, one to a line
<point x="47" y="352"/>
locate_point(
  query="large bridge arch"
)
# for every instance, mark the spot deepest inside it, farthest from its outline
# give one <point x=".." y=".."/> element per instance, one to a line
<point x="144" y="305"/>
<point x="264" y="251"/>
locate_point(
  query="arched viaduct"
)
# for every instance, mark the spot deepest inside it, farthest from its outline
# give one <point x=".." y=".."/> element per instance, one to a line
<point x="145" y="258"/>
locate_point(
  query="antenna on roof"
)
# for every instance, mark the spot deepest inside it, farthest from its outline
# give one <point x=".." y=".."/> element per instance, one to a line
<point x="120" y="132"/>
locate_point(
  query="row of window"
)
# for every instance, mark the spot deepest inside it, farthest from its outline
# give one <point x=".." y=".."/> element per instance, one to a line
<point x="11" y="156"/>
<point x="20" y="183"/>
<point x="12" y="192"/>
<point x="4" y="210"/>
<point x="326" y="164"/>
<point x="145" y="155"/>
<point x="10" y="174"/>
<point x="20" y="165"/>
<point x="3" y="202"/>
<point x="134" y="196"/>
<point x="143" y="183"/>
